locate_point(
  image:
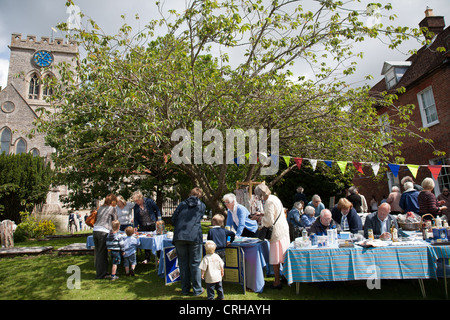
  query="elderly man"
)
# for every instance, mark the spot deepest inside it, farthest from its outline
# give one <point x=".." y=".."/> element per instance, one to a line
<point x="317" y="204"/>
<point x="380" y="222"/>
<point x="321" y="225"/>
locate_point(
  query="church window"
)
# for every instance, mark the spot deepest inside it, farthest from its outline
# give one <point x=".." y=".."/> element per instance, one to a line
<point x="47" y="90"/>
<point x="35" y="152"/>
<point x="21" y="146"/>
<point x="5" y="140"/>
<point x="8" y="106"/>
<point x="33" y="92"/>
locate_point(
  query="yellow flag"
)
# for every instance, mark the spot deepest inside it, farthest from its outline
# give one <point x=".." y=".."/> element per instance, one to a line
<point x="342" y="165"/>
<point x="413" y="168"/>
<point x="287" y="159"/>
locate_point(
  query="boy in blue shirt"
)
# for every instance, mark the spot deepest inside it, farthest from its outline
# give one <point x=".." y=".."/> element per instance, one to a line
<point x="221" y="237"/>
<point x="115" y="245"/>
<point x="130" y="246"/>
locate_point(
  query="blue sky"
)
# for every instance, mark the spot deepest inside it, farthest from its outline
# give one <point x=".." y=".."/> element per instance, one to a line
<point x="38" y="17"/>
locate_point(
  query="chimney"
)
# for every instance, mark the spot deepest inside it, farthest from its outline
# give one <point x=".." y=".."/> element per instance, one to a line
<point x="434" y="24"/>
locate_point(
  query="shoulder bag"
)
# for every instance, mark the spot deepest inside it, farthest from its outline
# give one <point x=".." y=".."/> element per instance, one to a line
<point x="266" y="232"/>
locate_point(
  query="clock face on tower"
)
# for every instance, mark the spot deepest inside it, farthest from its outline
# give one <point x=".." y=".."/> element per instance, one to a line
<point x="42" y="58"/>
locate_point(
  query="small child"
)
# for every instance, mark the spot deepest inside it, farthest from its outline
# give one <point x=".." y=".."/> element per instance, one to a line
<point x="130" y="246"/>
<point x="115" y="244"/>
<point x="212" y="271"/>
<point x="221" y="236"/>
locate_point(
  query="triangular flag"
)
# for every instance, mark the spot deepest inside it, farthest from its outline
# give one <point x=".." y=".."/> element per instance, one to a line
<point x="298" y="162"/>
<point x="247" y="155"/>
<point x="236" y="160"/>
<point x="342" y="165"/>
<point x="358" y="166"/>
<point x="435" y="170"/>
<point x="327" y="162"/>
<point x="375" y="168"/>
<point x="413" y="168"/>
<point x="313" y="163"/>
<point x="287" y="159"/>
<point x="394" y="168"/>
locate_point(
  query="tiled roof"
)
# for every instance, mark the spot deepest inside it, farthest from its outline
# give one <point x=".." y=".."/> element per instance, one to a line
<point x="423" y="62"/>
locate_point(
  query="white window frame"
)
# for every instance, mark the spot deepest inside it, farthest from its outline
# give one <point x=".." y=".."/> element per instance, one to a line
<point x="423" y="114"/>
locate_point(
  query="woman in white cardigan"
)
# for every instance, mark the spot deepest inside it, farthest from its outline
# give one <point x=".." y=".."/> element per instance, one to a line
<point x="279" y="242"/>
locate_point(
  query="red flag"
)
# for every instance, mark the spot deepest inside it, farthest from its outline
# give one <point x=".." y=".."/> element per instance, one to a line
<point x="298" y="161"/>
<point x="358" y="166"/>
<point x="435" y="170"/>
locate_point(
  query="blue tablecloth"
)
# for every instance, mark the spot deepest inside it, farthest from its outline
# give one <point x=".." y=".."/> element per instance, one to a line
<point x="154" y="243"/>
<point x="357" y="263"/>
<point x="256" y="256"/>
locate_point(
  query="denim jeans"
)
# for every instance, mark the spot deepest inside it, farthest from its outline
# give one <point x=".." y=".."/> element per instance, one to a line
<point x="189" y="257"/>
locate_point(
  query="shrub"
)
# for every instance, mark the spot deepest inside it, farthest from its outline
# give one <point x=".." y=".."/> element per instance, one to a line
<point x="31" y="228"/>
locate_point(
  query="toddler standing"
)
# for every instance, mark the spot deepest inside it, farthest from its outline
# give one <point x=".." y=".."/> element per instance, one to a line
<point x="212" y="271"/>
<point x="130" y="246"/>
<point x="114" y="244"/>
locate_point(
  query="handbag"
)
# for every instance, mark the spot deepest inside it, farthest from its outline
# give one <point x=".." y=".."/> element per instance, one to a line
<point x="91" y="219"/>
<point x="266" y="232"/>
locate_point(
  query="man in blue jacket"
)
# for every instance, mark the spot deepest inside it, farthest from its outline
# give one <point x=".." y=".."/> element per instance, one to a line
<point x="188" y="241"/>
<point x="409" y="198"/>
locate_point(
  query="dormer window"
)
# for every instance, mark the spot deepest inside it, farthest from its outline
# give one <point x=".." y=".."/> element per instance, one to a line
<point x="393" y="72"/>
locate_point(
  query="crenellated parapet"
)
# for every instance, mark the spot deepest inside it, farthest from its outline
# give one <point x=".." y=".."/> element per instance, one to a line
<point x="45" y="43"/>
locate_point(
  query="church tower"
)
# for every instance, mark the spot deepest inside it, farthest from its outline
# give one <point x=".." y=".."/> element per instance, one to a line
<point x="31" y="61"/>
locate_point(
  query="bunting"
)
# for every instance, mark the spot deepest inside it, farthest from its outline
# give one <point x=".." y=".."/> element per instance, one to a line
<point x="435" y="170"/>
<point x="342" y="165"/>
<point x="358" y="166"/>
<point x="413" y="168"/>
<point x="298" y="162"/>
<point x="313" y="163"/>
<point x="394" y="168"/>
<point x="375" y="168"/>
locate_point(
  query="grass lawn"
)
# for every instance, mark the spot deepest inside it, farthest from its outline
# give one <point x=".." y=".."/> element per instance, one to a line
<point x="45" y="277"/>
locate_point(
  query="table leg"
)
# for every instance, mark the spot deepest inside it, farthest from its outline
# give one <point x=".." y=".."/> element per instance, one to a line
<point x="445" y="278"/>
<point x="422" y="288"/>
<point x="297" y="287"/>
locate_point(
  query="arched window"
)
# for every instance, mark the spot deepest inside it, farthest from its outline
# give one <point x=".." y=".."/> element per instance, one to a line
<point x="47" y="90"/>
<point x="5" y="140"/>
<point x="21" y="146"/>
<point x="33" y="92"/>
<point x="35" y="152"/>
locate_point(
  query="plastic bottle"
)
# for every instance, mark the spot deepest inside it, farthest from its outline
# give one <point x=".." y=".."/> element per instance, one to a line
<point x="304" y="234"/>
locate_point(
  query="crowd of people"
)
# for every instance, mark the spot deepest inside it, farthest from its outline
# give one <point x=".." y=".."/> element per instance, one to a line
<point x="346" y="214"/>
<point x="116" y="214"/>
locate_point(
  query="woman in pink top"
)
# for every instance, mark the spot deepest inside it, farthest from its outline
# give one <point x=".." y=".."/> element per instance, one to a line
<point x="394" y="200"/>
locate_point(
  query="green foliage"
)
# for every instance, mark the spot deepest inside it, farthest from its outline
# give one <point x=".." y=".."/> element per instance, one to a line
<point x="24" y="182"/>
<point x="32" y="228"/>
<point x="119" y="106"/>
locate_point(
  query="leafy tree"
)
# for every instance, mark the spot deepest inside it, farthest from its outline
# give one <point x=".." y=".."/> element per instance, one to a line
<point x="24" y="182"/>
<point x="229" y="65"/>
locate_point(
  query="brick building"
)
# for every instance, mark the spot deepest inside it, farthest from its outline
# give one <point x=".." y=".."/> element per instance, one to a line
<point x="25" y="93"/>
<point x="426" y="78"/>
